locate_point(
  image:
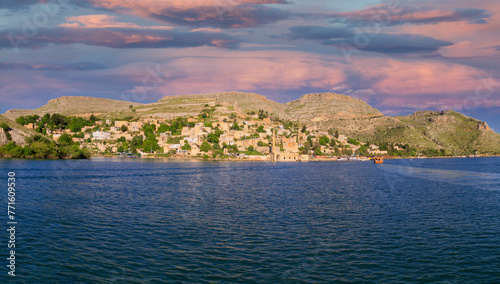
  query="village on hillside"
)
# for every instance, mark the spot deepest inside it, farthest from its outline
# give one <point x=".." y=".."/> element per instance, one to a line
<point x="251" y="136"/>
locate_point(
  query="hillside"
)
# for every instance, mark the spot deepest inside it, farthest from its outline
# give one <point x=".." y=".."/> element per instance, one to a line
<point x="452" y="131"/>
<point x="75" y="106"/>
<point x="326" y="107"/>
<point x="448" y="130"/>
<point x="311" y="108"/>
<point x="191" y="105"/>
<point x="17" y="131"/>
<point x="352" y="117"/>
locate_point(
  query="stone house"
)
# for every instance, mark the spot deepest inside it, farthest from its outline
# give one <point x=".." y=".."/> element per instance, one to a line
<point x="291" y="147"/>
<point x="224" y="126"/>
<point x="195" y="149"/>
<point x="98" y="135"/>
<point x="119" y="124"/>
<point x="135" y="126"/>
<point x="30" y="126"/>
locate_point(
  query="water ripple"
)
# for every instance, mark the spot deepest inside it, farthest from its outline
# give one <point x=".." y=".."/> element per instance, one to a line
<point x="106" y="221"/>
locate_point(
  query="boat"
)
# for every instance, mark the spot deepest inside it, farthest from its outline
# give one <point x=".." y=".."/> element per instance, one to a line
<point x="378" y="160"/>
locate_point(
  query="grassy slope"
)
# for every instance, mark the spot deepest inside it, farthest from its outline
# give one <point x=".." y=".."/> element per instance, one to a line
<point x="18" y="132"/>
<point x="439" y="130"/>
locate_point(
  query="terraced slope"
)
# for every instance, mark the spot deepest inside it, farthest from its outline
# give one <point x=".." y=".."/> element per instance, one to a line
<point x="191" y="105"/>
<point x="77" y="106"/>
<point x="325" y="107"/>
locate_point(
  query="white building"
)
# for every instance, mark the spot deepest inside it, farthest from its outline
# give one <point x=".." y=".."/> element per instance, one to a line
<point x="98" y="135"/>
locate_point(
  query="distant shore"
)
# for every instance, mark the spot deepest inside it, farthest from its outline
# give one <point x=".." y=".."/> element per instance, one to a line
<point x="197" y="159"/>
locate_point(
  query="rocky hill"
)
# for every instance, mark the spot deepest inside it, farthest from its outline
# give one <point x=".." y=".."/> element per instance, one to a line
<point x="326" y="107"/>
<point x="17" y="132"/>
<point x="191" y="105"/>
<point x="77" y="106"/>
<point x="352" y="117"/>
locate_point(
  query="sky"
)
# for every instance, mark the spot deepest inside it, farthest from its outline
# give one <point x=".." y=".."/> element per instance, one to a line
<point x="399" y="56"/>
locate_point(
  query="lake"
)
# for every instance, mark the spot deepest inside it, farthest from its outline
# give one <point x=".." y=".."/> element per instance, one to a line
<point x="151" y="221"/>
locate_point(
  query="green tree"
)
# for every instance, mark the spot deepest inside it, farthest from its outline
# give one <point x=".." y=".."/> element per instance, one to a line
<point x="337" y="151"/>
<point x="323" y="140"/>
<point x="235" y="126"/>
<point x="214" y="136"/>
<point x="5" y="127"/>
<point x="75" y="128"/>
<point x="151" y="145"/>
<point x="58" y="120"/>
<point x="318" y="152"/>
<point x="186" y="146"/>
<point x="205" y="146"/>
<point x="363" y="151"/>
<point x="353" y="141"/>
<point x="46" y="118"/>
<point x="163" y="128"/>
<point x="263" y="114"/>
<point x="21" y="120"/>
<point x="137" y="141"/>
<point x="41" y="150"/>
<point x="65" y="139"/>
<point x="123" y="128"/>
<point x="27" y="151"/>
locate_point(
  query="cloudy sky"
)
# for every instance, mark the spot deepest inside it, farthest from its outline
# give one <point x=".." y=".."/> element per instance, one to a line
<point x="399" y="56"/>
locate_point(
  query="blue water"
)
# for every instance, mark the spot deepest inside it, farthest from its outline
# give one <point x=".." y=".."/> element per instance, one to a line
<point x="150" y="221"/>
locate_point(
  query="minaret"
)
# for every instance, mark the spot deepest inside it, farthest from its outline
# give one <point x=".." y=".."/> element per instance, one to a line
<point x="273" y="153"/>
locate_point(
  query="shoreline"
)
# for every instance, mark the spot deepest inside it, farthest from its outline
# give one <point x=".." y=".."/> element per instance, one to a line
<point x="193" y="159"/>
<point x="201" y="159"/>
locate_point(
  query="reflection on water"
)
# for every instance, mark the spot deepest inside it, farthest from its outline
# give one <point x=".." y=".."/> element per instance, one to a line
<point x="488" y="181"/>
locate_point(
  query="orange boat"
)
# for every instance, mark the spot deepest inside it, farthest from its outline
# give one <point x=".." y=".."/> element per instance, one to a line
<point x="378" y="160"/>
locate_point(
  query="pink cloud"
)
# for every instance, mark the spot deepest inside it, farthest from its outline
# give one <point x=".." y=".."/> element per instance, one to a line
<point x="155" y="5"/>
<point x="391" y="83"/>
<point x="212" y="71"/>
<point x="253" y="71"/>
<point x="418" y="77"/>
<point x="200" y="13"/>
<point x="472" y="39"/>
<point x="207" y="30"/>
<point x="104" y="21"/>
<point x="429" y="84"/>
